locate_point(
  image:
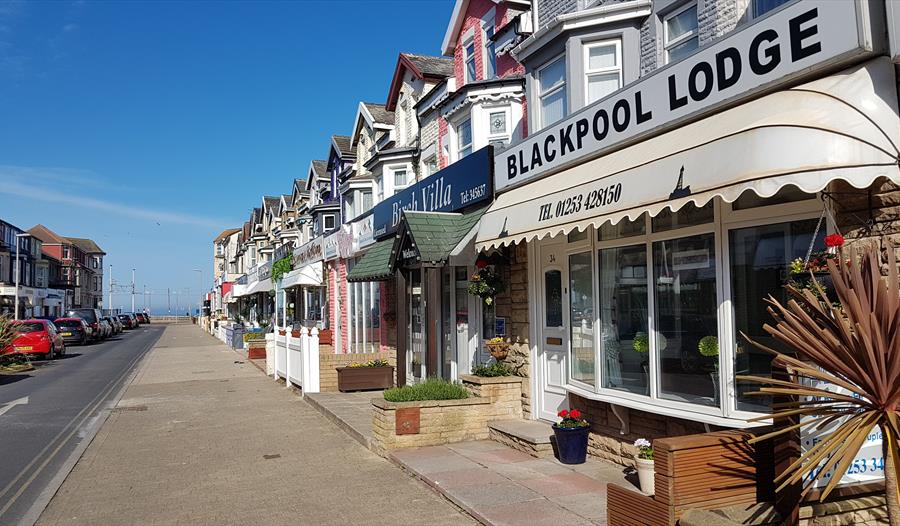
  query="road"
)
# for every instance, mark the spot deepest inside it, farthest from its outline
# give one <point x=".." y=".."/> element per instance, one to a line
<point x="48" y="415"/>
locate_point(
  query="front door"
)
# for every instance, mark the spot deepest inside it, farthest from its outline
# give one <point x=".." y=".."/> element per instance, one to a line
<point x="554" y="340"/>
<point x="416" y="326"/>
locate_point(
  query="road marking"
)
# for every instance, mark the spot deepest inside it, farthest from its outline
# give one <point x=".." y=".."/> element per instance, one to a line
<point x="9" y="405"/>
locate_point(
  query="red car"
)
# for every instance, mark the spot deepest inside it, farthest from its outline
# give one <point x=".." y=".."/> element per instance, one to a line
<point x="37" y="338"/>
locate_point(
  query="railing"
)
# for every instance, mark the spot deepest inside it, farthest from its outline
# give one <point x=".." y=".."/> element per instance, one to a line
<point x="171" y="319"/>
<point x="296" y="358"/>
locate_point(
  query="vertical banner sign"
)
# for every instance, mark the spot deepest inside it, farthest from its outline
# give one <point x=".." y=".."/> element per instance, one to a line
<point x="771" y="52"/>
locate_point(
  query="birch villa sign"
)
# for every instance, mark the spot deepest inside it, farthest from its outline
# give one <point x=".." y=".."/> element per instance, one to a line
<point x="769" y="53"/>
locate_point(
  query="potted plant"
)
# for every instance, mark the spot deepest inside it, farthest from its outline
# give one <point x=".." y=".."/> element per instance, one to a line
<point x="571" y="434"/>
<point x="498" y="348"/>
<point x="708" y="347"/>
<point x="643" y="459"/>
<point x="374" y="374"/>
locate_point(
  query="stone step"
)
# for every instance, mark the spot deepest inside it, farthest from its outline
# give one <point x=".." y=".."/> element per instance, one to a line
<point x="528" y="436"/>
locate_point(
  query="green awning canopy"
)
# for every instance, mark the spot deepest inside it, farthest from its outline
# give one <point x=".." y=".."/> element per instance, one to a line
<point x="434" y="235"/>
<point x="376" y="264"/>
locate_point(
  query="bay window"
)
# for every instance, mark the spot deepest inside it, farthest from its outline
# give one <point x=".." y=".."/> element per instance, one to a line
<point x="680" y="33"/>
<point x="464" y="138"/>
<point x="603" y="69"/>
<point x="553" y="102"/>
<point x="364" y="316"/>
<point x="657" y="307"/>
<point x="498" y="126"/>
<point x="400" y="178"/>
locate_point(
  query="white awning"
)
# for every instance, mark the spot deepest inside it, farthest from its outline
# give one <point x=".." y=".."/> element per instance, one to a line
<point x="263" y="285"/>
<point x="840" y="127"/>
<point x="306" y="276"/>
<point x="238" y="290"/>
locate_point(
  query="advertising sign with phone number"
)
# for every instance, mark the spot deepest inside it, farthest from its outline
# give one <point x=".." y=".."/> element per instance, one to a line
<point x="867" y="465"/>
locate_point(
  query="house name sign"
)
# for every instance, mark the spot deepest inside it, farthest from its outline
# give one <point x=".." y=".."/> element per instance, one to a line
<point x="308" y="253"/>
<point x="769" y="53"/>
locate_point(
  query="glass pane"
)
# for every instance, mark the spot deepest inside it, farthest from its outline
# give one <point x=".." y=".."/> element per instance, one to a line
<point x="497" y="122"/>
<point x="490" y="63"/>
<point x="400" y="178"/>
<point x="760" y="257"/>
<point x="464" y="133"/>
<point x="683" y="22"/>
<point x="623" y="319"/>
<point x="375" y="318"/>
<point x="553" y="107"/>
<point x="603" y="56"/>
<point x="624" y="228"/>
<point x="462" y="312"/>
<point x="553" y="74"/>
<point x="602" y="85"/>
<point x="581" y="316"/>
<point x="416" y="327"/>
<point x="686" y="328"/>
<point x="761" y="7"/>
<point x="448" y="329"/>
<point x="687" y="215"/>
<point x="683" y="49"/>
<point x="553" y="298"/>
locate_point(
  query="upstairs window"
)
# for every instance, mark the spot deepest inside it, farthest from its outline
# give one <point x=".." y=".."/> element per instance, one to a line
<point x="761" y="7"/>
<point x="400" y="178"/>
<point x="552" y="91"/>
<point x="490" y="55"/>
<point x="464" y="138"/>
<point x="469" y="59"/>
<point x="366" y="201"/>
<point x="498" y="128"/>
<point x="603" y="69"/>
<point x="328" y="222"/>
<point x="681" y="34"/>
<point x="430" y="166"/>
<point x="66" y="253"/>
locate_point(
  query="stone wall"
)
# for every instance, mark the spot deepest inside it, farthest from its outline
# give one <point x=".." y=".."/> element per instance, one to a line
<point x="856" y="511"/>
<point x="868" y="215"/>
<point x="328" y="362"/>
<point x="606" y="439"/>
<point x="513" y="305"/>
<point x="446" y="421"/>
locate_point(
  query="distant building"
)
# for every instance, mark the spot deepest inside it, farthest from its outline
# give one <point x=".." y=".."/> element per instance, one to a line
<point x="81" y="266"/>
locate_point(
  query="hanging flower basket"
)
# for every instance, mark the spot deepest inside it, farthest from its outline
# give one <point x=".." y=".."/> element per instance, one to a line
<point x="498" y="348"/>
<point x="486" y="284"/>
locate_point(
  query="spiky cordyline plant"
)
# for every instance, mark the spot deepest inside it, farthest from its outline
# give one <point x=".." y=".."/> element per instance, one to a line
<point x="854" y="345"/>
<point x="7" y="332"/>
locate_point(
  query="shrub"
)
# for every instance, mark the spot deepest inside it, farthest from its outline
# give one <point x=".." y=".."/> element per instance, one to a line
<point x="378" y="362"/>
<point x="491" y="370"/>
<point x="430" y="389"/>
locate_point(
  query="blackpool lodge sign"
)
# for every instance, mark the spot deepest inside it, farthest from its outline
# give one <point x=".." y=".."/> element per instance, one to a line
<point x="770" y="53"/>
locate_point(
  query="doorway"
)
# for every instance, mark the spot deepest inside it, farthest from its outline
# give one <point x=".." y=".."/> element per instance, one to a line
<point x="553" y="341"/>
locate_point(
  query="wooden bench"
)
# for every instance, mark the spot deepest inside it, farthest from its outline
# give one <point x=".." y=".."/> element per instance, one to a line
<point x="706" y="471"/>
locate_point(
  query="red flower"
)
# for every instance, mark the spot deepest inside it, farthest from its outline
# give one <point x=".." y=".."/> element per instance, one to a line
<point x="575" y="414"/>
<point x="834" y="240"/>
<point x="481" y="263"/>
<point x="562" y="414"/>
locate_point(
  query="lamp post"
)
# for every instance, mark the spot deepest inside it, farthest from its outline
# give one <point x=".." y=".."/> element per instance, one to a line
<point x="200" y="303"/>
<point x="18" y="272"/>
<point x="132" y="290"/>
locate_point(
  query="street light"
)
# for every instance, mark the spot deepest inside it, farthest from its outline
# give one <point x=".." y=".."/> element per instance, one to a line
<point x="200" y="303"/>
<point x="18" y="271"/>
<point x="132" y="290"/>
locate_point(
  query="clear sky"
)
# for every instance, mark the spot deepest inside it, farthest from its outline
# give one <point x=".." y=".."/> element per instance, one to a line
<point x="152" y="126"/>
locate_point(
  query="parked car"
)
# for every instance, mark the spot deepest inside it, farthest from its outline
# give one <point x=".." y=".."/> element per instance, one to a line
<point x="114" y="323"/>
<point x="92" y="317"/>
<point x="127" y="321"/>
<point x="105" y="328"/>
<point x="37" y="338"/>
<point x="142" y="318"/>
<point x="73" y="330"/>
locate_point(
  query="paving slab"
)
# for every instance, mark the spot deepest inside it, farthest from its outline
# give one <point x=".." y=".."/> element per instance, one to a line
<point x="499" y="485"/>
<point x="220" y="443"/>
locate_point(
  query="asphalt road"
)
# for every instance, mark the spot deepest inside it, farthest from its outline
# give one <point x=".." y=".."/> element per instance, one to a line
<point x="67" y="400"/>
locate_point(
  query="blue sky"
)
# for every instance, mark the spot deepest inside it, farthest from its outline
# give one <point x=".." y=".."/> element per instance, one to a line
<point x="152" y="126"/>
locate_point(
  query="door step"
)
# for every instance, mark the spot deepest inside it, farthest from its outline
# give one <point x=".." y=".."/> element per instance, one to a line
<point x="528" y="436"/>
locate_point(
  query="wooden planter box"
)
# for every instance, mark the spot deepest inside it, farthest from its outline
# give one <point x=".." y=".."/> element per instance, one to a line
<point x="256" y="349"/>
<point x="364" y="378"/>
<point x="325" y="337"/>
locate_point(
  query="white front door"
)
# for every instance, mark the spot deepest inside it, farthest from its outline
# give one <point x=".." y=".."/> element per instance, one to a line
<point x="554" y="340"/>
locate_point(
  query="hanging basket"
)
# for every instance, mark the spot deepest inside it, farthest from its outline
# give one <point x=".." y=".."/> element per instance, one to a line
<point x="499" y="350"/>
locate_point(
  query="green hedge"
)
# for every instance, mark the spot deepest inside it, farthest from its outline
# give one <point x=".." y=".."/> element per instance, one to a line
<point x="491" y="370"/>
<point x="431" y="389"/>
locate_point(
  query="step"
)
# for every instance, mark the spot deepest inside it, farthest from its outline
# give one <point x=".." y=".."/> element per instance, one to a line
<point x="528" y="436"/>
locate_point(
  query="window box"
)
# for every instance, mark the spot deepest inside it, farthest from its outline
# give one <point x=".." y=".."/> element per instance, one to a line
<point x="364" y="378"/>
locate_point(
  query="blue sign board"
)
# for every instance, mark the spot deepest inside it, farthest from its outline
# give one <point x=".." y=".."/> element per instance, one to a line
<point x="466" y="182"/>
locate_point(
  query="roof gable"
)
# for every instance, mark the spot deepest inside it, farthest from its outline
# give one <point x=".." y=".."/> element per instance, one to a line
<point x="423" y="67"/>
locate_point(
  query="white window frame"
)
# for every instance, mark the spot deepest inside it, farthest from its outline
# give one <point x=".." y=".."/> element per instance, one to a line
<point x="456" y="139"/>
<point x="394" y="172"/>
<point x="486" y="46"/>
<point x="668" y="44"/>
<point x="724" y="220"/>
<point x="751" y="8"/>
<point x="541" y="92"/>
<point x="507" y="114"/>
<point x="469" y="41"/>
<point x="588" y="73"/>
<point x="325" y="219"/>
<point x="429" y="165"/>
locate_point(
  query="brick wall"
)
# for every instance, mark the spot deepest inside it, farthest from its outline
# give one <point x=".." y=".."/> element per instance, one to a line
<point x="718" y="17"/>
<point x="606" y="440"/>
<point x="329" y="361"/>
<point x="550" y="9"/>
<point x="428" y="135"/>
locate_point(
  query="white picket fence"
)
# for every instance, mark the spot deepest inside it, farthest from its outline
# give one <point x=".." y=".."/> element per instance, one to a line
<point x="297" y="359"/>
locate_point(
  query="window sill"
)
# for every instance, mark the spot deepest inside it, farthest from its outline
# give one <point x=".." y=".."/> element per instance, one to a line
<point x="661" y="409"/>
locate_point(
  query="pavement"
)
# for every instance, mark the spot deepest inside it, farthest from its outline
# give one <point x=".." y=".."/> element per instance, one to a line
<point x="201" y="437"/>
<point x="50" y="414"/>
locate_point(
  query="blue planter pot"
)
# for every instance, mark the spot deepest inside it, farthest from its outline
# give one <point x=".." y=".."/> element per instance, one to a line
<point x="571" y="444"/>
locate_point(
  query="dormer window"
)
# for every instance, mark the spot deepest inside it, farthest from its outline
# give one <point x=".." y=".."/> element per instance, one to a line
<point x="469" y="58"/>
<point x="681" y="34"/>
